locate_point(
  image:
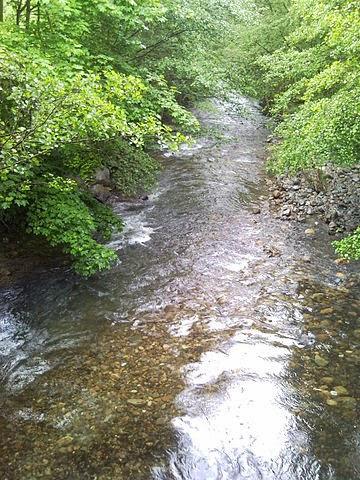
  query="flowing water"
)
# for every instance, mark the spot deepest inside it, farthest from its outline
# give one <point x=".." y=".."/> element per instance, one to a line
<point x="224" y="345"/>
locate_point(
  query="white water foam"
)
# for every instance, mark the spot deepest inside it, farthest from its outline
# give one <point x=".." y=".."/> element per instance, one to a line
<point x="136" y="231"/>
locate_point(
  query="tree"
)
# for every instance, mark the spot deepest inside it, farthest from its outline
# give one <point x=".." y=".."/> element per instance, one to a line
<point x="63" y="104"/>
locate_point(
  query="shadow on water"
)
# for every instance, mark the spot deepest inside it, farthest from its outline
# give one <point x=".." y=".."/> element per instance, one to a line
<point x="224" y="345"/>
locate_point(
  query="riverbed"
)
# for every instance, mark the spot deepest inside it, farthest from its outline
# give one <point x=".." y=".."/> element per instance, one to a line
<point x="223" y="345"/>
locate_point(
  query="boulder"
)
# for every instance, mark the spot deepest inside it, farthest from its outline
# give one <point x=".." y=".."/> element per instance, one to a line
<point x="101" y="192"/>
<point x="102" y="177"/>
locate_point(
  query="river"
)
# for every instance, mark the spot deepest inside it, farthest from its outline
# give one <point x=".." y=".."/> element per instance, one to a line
<point x="224" y="344"/>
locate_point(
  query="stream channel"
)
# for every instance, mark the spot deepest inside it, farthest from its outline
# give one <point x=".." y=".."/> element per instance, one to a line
<point x="225" y="345"/>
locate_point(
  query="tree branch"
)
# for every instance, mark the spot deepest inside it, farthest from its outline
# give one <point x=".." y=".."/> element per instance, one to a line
<point x="143" y="53"/>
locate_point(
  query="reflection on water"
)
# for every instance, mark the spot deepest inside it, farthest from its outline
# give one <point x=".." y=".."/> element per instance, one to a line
<point x="239" y="425"/>
<point x="214" y="349"/>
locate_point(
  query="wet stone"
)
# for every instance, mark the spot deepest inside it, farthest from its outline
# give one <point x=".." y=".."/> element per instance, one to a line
<point x="65" y="441"/>
<point x="340" y="390"/>
<point x="320" y="361"/>
<point x="137" y="402"/>
<point x="327" y="380"/>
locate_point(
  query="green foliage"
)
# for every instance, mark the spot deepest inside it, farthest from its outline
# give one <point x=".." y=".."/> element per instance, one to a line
<point x="305" y="64"/>
<point x="319" y="101"/>
<point x="302" y="57"/>
<point x="187" y="48"/>
<point x="59" y="214"/>
<point x="88" y="84"/>
<point x="261" y="30"/>
<point x="322" y="131"/>
<point x="349" y="247"/>
<point x="133" y="171"/>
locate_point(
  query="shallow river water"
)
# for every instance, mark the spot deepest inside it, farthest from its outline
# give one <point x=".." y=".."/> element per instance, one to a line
<point x="224" y="345"/>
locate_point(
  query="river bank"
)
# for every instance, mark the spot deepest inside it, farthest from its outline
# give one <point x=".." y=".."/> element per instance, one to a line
<point x="330" y="194"/>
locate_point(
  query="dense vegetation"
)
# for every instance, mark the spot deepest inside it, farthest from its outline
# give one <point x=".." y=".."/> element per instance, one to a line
<point x="87" y="84"/>
<point x="302" y="57"/>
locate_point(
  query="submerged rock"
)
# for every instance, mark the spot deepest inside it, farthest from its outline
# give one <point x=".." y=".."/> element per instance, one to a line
<point x="356" y="332"/>
<point x="348" y="402"/>
<point x="327" y="380"/>
<point x="320" y="361"/>
<point x="65" y="441"/>
<point x="340" y="390"/>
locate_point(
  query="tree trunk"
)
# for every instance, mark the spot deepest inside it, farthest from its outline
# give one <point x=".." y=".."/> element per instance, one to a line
<point x="27" y="14"/>
<point x="38" y="18"/>
<point x="18" y="12"/>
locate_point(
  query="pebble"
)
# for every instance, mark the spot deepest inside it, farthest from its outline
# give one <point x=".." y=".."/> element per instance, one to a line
<point x="65" y="441"/>
<point x="325" y="324"/>
<point x="334" y="198"/>
<point x="276" y="194"/>
<point x="286" y="212"/>
<point x="340" y="275"/>
<point x="341" y="261"/>
<point x="5" y="273"/>
<point x="327" y="380"/>
<point x="340" y="390"/>
<point x="320" y="361"/>
<point x="137" y="402"/>
<point x="349" y="402"/>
